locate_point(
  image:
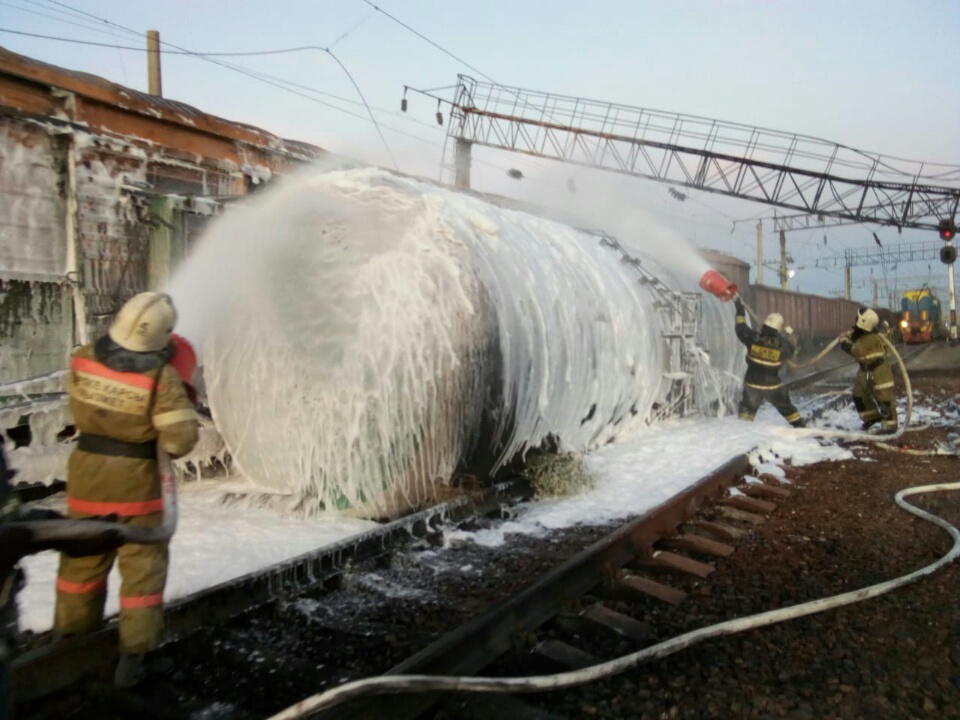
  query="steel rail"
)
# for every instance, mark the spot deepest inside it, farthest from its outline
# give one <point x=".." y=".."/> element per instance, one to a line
<point x="54" y="666"/>
<point x="473" y="646"/>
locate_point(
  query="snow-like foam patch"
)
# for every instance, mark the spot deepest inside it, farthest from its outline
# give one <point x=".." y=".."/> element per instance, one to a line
<point x="214" y="543"/>
<point x="635" y="476"/>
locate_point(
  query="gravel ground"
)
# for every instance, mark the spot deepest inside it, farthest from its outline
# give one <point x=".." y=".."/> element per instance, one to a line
<point x="897" y="656"/>
<point x="893" y="657"/>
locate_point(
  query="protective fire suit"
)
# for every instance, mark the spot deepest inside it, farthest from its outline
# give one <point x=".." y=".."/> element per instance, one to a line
<point x="125" y="404"/>
<point x="16" y="542"/>
<point x="873" y="388"/>
<point x="767" y="350"/>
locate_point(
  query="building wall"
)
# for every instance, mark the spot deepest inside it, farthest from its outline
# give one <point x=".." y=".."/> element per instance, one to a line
<point x="102" y="192"/>
<point x="35" y="310"/>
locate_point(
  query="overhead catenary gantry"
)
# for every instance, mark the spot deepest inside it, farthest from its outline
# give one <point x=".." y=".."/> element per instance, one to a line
<point x="794" y="172"/>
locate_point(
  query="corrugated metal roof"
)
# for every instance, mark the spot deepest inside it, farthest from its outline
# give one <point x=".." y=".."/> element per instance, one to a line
<point x="172" y="110"/>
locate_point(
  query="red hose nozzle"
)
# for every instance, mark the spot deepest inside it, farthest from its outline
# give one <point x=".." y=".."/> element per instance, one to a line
<point x="716" y="284"/>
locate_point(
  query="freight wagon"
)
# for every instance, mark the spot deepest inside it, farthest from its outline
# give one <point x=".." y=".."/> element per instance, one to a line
<point x="815" y="320"/>
<point x="920" y="322"/>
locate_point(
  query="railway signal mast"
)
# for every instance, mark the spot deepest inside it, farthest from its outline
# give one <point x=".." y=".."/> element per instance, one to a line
<point x="948" y="256"/>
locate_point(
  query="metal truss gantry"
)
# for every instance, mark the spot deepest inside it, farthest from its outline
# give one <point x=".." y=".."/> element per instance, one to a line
<point x="784" y="170"/>
<point x="899" y="253"/>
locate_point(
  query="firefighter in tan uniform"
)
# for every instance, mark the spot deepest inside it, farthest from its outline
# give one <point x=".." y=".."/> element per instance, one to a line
<point x="127" y="401"/>
<point x="767" y="350"/>
<point x="873" y="388"/>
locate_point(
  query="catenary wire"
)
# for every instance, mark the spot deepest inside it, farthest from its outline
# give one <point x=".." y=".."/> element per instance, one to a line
<point x="251" y="74"/>
<point x="257" y="75"/>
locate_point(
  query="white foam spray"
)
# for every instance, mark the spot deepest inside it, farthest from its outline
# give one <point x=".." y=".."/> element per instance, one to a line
<point x="364" y="333"/>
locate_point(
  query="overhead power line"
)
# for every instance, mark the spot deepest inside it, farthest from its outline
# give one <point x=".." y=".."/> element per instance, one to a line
<point x="423" y="37"/>
<point x="241" y="53"/>
<point x="262" y="79"/>
<point x="274" y="81"/>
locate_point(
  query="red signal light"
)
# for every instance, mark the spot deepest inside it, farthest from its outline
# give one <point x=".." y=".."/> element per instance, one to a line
<point x="947" y="229"/>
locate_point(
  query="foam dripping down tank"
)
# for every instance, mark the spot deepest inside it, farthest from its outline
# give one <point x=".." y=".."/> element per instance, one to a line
<point x="383" y="332"/>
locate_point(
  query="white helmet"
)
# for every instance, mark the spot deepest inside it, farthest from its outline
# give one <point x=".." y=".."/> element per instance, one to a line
<point x="144" y="323"/>
<point x="867" y="319"/>
<point x="775" y="321"/>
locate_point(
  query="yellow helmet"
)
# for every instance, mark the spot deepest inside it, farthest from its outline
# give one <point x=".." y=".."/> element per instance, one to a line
<point x="144" y="323"/>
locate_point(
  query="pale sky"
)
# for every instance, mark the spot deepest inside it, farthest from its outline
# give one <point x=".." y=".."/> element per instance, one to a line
<point x="879" y="76"/>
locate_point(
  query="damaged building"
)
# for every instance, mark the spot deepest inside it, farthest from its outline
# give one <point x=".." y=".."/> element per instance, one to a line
<point x="103" y="189"/>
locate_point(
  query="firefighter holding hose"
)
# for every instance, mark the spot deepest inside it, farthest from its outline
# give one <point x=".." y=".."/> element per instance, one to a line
<point x="767" y="350"/>
<point x="128" y="400"/>
<point x="873" y="388"/>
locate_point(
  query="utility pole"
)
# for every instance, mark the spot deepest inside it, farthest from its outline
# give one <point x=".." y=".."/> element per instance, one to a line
<point x="846" y="281"/>
<point x="153" y="63"/>
<point x="760" y="252"/>
<point x="783" y="260"/>
<point x="953" y="304"/>
<point x="876" y="293"/>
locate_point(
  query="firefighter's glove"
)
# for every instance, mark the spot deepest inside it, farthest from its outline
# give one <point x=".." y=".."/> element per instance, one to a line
<point x="738" y="304"/>
<point x="788" y="330"/>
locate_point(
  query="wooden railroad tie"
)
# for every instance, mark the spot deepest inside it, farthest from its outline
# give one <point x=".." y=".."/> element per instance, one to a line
<point x="671" y="562"/>
<point x="762" y="490"/>
<point x="565" y="655"/>
<point x="697" y="544"/>
<point x="633" y="585"/>
<point x="733" y="514"/>
<point x="713" y="530"/>
<point x="618" y="622"/>
<point x="748" y="504"/>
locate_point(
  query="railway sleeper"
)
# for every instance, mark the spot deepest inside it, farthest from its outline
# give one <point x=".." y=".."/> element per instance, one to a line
<point x="763" y="491"/>
<point x="713" y="530"/>
<point x="665" y="561"/>
<point x="732" y="513"/>
<point x="697" y="544"/>
<point x="565" y="656"/>
<point x="601" y="616"/>
<point x="748" y="504"/>
<point x="632" y="586"/>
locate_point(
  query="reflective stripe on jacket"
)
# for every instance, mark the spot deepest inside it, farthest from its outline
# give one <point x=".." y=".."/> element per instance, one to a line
<point x="766" y="353"/>
<point x="131" y="407"/>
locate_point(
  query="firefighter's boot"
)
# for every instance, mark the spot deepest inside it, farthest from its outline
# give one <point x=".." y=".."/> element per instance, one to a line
<point x="130" y="672"/>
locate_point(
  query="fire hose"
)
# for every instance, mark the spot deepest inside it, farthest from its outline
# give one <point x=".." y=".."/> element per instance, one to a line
<point x="424" y="683"/>
<point x="77" y="529"/>
<point x="843" y="434"/>
<point x="791" y="363"/>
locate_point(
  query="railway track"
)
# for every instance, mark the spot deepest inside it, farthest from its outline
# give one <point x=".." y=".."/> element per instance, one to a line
<point x="677" y="537"/>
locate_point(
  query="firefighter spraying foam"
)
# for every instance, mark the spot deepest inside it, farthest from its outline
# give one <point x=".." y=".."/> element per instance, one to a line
<point x="767" y="350"/>
<point x="129" y="403"/>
